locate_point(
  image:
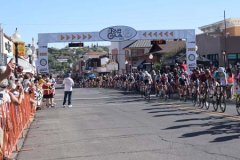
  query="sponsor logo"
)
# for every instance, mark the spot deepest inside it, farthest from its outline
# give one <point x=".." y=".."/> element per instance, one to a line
<point x="191" y="42"/>
<point x="117" y="33"/>
<point x="43" y="54"/>
<point x="192" y="65"/>
<point x="43" y="69"/>
<point x="191" y="49"/>
<point x="191" y="57"/>
<point x="191" y="68"/>
<point x="43" y="62"/>
<point x="43" y="47"/>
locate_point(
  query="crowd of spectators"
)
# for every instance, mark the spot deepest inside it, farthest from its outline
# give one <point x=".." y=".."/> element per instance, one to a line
<point x="14" y="84"/>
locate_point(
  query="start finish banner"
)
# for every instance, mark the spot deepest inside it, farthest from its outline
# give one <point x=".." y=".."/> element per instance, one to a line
<point x="118" y="34"/>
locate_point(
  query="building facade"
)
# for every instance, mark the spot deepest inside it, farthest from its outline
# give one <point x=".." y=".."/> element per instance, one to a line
<point x="220" y="46"/>
<point x="117" y="53"/>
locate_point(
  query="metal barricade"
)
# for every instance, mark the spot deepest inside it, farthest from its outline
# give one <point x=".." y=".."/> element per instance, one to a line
<point x="14" y="119"/>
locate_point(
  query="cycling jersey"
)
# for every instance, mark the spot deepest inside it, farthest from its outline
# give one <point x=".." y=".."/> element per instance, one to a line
<point x="147" y="79"/>
<point x="141" y="77"/>
<point x="221" y="77"/>
<point x="163" y="80"/>
<point x="182" y="81"/>
<point x="157" y="78"/>
<point x="131" y="78"/>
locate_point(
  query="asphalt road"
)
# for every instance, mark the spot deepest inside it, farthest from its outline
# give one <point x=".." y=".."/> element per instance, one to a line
<point x="106" y="124"/>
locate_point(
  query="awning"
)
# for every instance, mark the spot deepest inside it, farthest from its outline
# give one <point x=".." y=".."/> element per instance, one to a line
<point x="138" y="63"/>
<point x="155" y="48"/>
<point x="27" y="67"/>
<point x="200" y="59"/>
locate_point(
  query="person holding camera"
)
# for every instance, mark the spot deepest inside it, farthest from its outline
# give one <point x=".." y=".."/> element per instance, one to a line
<point x="16" y="92"/>
<point x="8" y="71"/>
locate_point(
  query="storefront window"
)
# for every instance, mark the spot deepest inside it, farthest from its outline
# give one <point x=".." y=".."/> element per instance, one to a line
<point x="137" y="52"/>
<point x="233" y="58"/>
<point x="213" y="58"/>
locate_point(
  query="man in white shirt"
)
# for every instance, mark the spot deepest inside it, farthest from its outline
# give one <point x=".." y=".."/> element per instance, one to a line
<point x="68" y="83"/>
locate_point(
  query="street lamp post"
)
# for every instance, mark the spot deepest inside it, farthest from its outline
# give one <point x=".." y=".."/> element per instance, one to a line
<point x="225" y="39"/>
<point x="16" y="39"/>
<point x="224" y="58"/>
<point x="126" y="63"/>
<point x="29" y="53"/>
<point x="151" y="57"/>
<point x="34" y="55"/>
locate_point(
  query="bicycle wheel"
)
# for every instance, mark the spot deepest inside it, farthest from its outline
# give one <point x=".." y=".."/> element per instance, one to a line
<point x="238" y="104"/>
<point x="145" y="93"/>
<point x="216" y="104"/>
<point x="201" y="101"/>
<point x="194" y="96"/>
<point x="223" y="104"/>
<point x="141" y="91"/>
<point x="207" y="102"/>
<point x="166" y="97"/>
<point x="185" y="98"/>
<point x="148" y="94"/>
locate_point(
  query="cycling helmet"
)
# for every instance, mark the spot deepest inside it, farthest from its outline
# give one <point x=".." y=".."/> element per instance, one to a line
<point x="220" y="69"/>
<point x="207" y="71"/>
<point x="153" y="72"/>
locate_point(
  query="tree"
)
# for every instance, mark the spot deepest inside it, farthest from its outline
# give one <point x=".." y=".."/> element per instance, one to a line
<point x="73" y="55"/>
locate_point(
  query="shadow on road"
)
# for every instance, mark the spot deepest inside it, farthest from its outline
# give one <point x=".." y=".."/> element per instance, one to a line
<point x="218" y="127"/>
<point x="230" y="129"/>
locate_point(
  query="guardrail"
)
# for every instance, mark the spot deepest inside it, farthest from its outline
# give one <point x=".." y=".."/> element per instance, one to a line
<point x="13" y="120"/>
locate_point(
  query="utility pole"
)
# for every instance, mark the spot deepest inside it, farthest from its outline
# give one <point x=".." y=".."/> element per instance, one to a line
<point x="1" y="46"/>
<point x="1" y="39"/>
<point x="225" y="40"/>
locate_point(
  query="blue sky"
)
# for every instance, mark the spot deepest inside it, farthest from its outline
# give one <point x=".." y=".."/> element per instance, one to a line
<point x="49" y="16"/>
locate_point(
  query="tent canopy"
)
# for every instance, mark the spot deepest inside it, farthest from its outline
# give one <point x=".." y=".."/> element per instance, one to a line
<point x="27" y="67"/>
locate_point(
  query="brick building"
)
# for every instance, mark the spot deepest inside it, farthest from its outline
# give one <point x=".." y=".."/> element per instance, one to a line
<point x="222" y="48"/>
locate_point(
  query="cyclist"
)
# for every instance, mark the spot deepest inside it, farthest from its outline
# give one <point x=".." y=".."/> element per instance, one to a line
<point x="221" y="76"/>
<point x="147" y="78"/>
<point x="157" y="82"/>
<point x="182" y="84"/>
<point x="147" y="82"/>
<point x="131" y="81"/>
<point x="164" y="81"/>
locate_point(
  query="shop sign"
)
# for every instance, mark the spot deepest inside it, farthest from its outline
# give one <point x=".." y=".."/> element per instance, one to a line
<point x="21" y="49"/>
